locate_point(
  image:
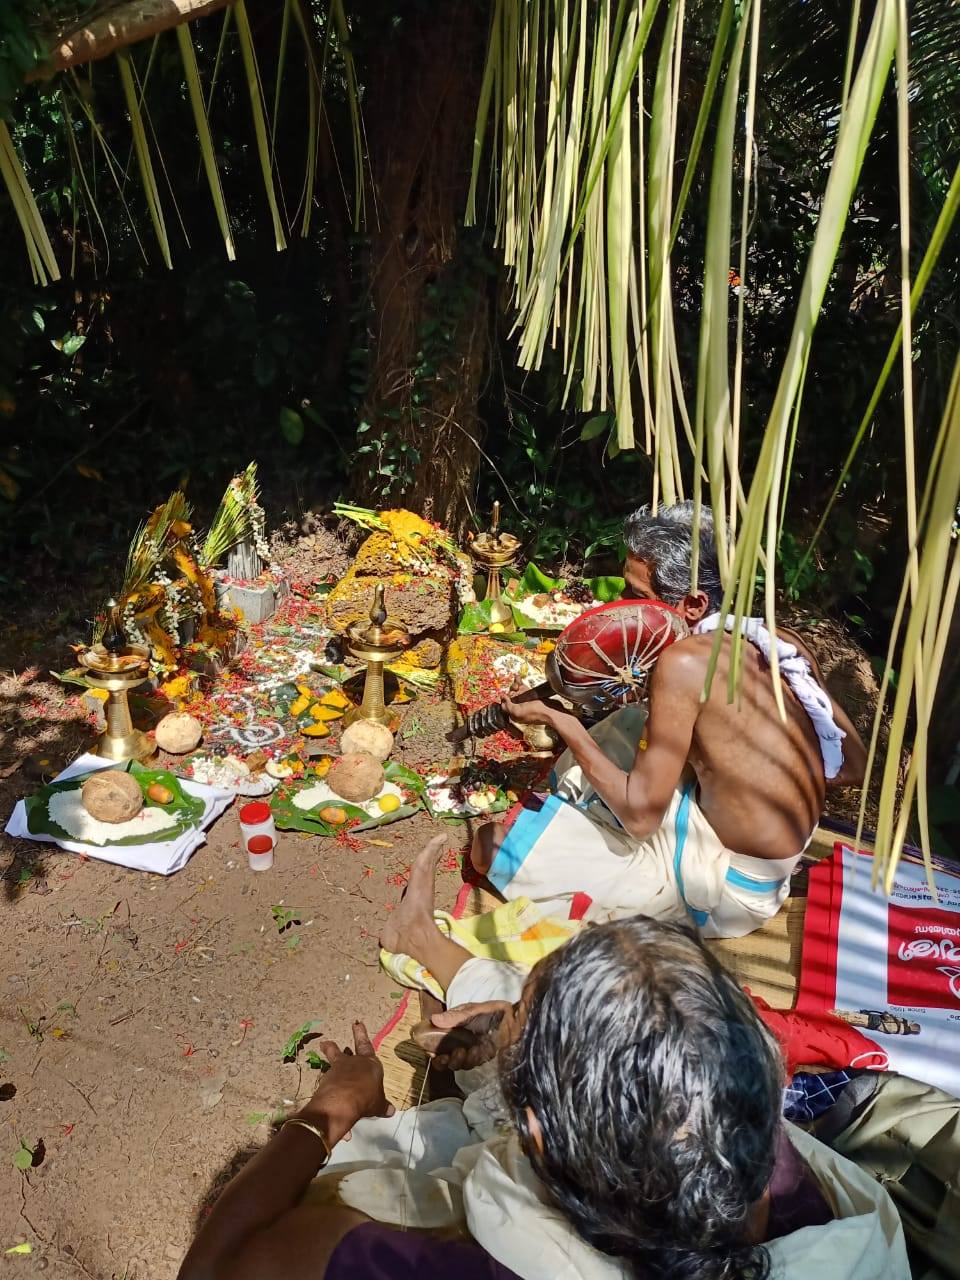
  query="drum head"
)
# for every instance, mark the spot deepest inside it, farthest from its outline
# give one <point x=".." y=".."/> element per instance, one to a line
<point x="606" y="655"/>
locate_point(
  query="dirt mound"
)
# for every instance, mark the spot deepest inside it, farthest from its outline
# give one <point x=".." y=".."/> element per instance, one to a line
<point x="421" y="603"/>
<point x="309" y="551"/>
<point x="422" y="741"/>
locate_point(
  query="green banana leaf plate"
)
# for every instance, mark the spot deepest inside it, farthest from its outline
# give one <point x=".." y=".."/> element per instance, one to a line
<point x="500" y="805"/>
<point x="185" y="810"/>
<point x="289" y="817"/>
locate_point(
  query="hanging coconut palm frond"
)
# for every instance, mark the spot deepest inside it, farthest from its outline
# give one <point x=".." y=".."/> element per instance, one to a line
<point x="588" y="204"/>
<point x="103" y="30"/>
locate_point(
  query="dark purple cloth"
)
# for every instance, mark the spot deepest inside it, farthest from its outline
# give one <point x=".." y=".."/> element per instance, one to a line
<point x="795" y="1197"/>
<point x="375" y="1251"/>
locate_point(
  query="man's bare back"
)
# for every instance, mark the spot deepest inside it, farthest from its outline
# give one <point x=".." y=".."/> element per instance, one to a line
<point x="761" y="781"/>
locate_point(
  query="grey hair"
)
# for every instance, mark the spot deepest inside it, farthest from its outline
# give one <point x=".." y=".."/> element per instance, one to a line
<point x="665" y="542"/>
<point x="657" y="1092"/>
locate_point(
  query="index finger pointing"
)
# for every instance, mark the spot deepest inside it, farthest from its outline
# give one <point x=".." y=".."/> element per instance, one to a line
<point x="362" y="1041"/>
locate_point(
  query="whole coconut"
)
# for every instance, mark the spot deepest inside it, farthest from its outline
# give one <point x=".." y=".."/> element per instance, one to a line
<point x="178" y="733"/>
<point x="112" y="796"/>
<point x="355" y="777"/>
<point x="369" y="738"/>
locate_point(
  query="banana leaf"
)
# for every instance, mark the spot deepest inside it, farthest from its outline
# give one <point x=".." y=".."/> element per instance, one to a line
<point x="534" y="582"/>
<point x="500" y="805"/>
<point x="607" y="589"/>
<point x="289" y="817"/>
<point x="185" y="810"/>
<point x="476" y="618"/>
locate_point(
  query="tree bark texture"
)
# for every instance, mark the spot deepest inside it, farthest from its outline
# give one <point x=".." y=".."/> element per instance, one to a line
<point x="428" y="300"/>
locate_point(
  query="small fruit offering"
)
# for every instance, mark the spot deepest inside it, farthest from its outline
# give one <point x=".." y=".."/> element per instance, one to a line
<point x="483" y="798"/>
<point x="388" y="803"/>
<point x="320" y="712"/>
<point x="159" y="794"/>
<point x="279" y="769"/>
<point x="178" y="733"/>
<point x="356" y="777"/>
<point x="299" y="705"/>
<point x="336" y="817"/>
<point x="112" y="796"/>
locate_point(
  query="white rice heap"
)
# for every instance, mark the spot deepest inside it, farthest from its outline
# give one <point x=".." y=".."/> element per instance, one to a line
<point x="67" y="811"/>
<point x="512" y="666"/>
<point x="230" y="774"/>
<point x="557" y="612"/>
<point x="441" y="797"/>
<point x="321" y="794"/>
<point x="442" y="800"/>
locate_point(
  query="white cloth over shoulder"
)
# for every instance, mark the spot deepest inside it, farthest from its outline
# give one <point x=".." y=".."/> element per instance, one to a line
<point x="450" y="1164"/>
<point x="508" y="1216"/>
<point x="795" y="669"/>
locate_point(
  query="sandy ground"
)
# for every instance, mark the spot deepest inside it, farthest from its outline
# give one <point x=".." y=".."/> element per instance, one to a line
<point x="142" y="1018"/>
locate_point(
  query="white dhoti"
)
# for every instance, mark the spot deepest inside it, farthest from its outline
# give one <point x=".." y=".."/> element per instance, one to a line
<point x="570" y="843"/>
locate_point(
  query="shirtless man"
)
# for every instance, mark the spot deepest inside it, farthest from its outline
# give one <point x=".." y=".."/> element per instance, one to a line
<point x="705" y="807"/>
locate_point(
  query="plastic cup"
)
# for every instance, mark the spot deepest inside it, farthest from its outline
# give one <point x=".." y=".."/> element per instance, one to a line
<point x="256" y="819"/>
<point x="260" y="853"/>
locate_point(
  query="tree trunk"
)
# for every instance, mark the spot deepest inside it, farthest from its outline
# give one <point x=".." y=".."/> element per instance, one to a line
<point x="428" y="293"/>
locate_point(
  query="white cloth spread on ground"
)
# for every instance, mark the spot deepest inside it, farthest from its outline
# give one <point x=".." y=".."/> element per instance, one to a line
<point x="572" y="843"/>
<point x="796" y="671"/>
<point x="163" y="857"/>
<point x="450" y="1164"/>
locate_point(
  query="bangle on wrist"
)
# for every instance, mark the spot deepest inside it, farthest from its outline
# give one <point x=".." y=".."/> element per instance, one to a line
<point x="310" y="1128"/>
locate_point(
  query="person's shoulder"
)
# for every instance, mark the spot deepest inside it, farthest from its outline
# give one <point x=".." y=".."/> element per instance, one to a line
<point x="685" y="662"/>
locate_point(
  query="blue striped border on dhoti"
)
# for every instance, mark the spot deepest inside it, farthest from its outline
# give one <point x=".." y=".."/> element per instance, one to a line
<point x="526" y="830"/>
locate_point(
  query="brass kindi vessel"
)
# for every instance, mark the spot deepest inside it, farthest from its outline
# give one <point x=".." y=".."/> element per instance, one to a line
<point x="117" y="666"/>
<point x="493" y="551"/>
<point x="381" y="640"/>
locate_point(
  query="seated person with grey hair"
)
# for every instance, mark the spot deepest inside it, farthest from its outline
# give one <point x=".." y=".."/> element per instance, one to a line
<point x="621" y="1120"/>
<point x="682" y="808"/>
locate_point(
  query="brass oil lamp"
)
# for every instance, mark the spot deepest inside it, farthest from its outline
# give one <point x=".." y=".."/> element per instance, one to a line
<point x="493" y="551"/>
<point x="117" y="666"/>
<point x="381" y="640"/>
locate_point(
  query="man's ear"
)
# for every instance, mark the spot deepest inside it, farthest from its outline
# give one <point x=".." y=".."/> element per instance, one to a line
<point x="695" y="606"/>
<point x="534" y="1132"/>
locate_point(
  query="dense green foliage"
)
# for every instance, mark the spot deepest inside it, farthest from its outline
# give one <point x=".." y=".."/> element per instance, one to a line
<point x="127" y="379"/>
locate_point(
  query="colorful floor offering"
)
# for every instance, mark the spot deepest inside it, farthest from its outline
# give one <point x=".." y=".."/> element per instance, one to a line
<point x="273" y="709"/>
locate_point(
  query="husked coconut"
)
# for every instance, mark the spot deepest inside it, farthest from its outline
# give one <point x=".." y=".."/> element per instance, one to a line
<point x="178" y="733"/>
<point x="112" y="796"/>
<point x="369" y="738"/>
<point x="356" y="777"/>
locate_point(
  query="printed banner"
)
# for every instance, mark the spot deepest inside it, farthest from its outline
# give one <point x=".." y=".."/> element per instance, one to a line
<point x="889" y="966"/>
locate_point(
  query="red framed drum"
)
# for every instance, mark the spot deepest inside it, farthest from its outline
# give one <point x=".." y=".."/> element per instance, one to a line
<point x="605" y="657"/>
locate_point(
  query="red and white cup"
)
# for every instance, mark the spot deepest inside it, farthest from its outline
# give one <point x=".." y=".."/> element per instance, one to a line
<point x="260" y="853"/>
<point x="256" y="819"/>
